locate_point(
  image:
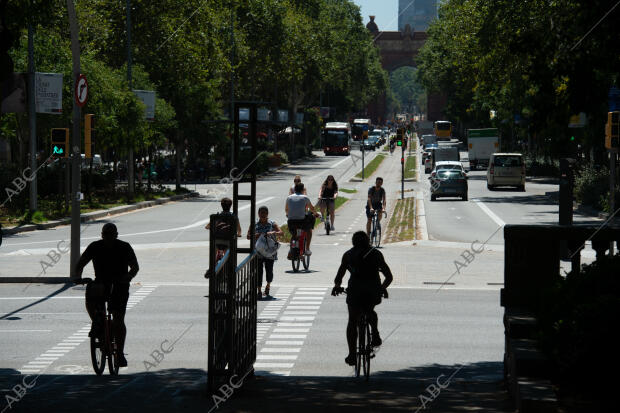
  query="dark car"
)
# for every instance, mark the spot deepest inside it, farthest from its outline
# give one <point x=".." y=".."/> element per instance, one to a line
<point x="368" y="144"/>
<point x="449" y="183"/>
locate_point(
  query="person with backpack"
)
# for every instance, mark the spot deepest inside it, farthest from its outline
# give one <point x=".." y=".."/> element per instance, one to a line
<point x="268" y="249"/>
<point x="223" y="230"/>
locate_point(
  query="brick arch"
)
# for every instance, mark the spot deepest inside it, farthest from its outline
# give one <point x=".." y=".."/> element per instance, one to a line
<point x="396" y="50"/>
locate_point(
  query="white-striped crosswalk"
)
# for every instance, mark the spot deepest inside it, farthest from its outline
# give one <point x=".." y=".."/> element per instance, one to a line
<point x="288" y="321"/>
<point x="45" y="360"/>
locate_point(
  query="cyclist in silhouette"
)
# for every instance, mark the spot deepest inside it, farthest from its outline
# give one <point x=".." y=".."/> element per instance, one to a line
<point x="115" y="265"/>
<point x="364" y="289"/>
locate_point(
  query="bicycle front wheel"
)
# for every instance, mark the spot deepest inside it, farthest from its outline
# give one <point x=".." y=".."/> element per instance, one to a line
<point x="377" y="234"/>
<point x="97" y="355"/>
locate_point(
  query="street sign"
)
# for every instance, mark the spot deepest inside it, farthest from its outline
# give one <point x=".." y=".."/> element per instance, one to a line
<point x="48" y="92"/>
<point x="81" y="91"/>
<point x="577" y="121"/>
<point x="148" y="98"/>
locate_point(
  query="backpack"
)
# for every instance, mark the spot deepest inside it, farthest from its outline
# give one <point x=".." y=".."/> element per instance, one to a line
<point x="223" y="230"/>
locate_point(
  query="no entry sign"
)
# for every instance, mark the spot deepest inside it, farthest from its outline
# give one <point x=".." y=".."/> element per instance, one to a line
<point x="81" y="90"/>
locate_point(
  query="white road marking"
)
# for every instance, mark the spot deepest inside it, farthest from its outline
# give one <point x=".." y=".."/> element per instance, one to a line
<point x="274" y="365"/>
<point x="290" y="330"/>
<point x="288" y="336"/>
<point x="339" y="162"/>
<point x="490" y="213"/>
<point x="276" y="357"/>
<point x="280" y="350"/>
<point x="283" y="343"/>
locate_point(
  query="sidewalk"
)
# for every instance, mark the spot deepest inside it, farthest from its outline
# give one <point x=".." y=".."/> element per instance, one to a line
<point x="95" y="215"/>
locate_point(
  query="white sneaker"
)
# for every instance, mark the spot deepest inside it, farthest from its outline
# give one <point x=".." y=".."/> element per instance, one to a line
<point x="308" y="252"/>
<point x="333" y="228"/>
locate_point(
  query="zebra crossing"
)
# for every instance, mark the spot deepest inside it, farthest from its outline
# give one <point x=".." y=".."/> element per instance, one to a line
<point x="283" y="327"/>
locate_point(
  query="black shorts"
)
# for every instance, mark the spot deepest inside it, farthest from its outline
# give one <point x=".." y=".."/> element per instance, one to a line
<point x="305" y="224"/>
<point x="377" y="207"/>
<point x="116" y="293"/>
<point x="363" y="297"/>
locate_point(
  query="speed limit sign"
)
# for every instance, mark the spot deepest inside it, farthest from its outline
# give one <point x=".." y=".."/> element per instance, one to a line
<point x="81" y="90"/>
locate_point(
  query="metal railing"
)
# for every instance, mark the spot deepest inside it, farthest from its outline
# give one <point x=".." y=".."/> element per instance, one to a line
<point x="232" y="310"/>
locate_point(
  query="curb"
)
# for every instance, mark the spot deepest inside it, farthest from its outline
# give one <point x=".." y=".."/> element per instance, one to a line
<point x="93" y="216"/>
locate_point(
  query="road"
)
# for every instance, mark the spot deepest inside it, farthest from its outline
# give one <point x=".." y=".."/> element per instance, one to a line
<point x="429" y="327"/>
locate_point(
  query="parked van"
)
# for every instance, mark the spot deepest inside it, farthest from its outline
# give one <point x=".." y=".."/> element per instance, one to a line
<point x="506" y="169"/>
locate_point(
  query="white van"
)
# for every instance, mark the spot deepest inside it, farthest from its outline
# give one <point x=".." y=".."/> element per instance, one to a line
<point x="506" y="169"/>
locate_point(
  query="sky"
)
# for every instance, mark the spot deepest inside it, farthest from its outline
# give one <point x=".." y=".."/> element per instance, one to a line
<point x="385" y="10"/>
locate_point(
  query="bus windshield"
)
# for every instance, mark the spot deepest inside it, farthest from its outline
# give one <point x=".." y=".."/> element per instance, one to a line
<point x="443" y="125"/>
<point x="336" y="138"/>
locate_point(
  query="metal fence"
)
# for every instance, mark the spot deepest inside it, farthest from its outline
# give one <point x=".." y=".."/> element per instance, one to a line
<point x="232" y="310"/>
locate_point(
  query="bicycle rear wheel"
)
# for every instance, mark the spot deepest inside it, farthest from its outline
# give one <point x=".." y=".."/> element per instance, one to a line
<point x="327" y="227"/>
<point x="97" y="355"/>
<point x="110" y="347"/>
<point x="367" y="350"/>
<point x="295" y="260"/>
<point x="306" y="261"/>
<point x="361" y="345"/>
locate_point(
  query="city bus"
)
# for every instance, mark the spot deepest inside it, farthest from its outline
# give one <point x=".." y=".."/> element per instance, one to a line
<point x="336" y="138"/>
<point x="443" y="129"/>
<point x="359" y="127"/>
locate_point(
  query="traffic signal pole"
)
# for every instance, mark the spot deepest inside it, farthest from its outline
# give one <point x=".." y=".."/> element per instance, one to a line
<point x="32" y="119"/>
<point x="75" y="149"/>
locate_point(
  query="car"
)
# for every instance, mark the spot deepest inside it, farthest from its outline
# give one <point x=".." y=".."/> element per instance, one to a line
<point x="449" y="183"/>
<point x="506" y="169"/>
<point x="368" y="144"/>
<point x="451" y="165"/>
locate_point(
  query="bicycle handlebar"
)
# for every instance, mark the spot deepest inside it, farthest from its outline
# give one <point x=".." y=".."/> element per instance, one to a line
<point x="340" y="290"/>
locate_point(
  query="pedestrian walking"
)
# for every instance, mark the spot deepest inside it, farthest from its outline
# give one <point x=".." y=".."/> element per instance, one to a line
<point x="268" y="253"/>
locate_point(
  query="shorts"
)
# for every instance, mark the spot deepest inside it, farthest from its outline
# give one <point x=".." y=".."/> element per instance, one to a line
<point x="116" y="293"/>
<point x="376" y="206"/>
<point x="305" y="224"/>
<point x="363" y="297"/>
<point x="327" y="203"/>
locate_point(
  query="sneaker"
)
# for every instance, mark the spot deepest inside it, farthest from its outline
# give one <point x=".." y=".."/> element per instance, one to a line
<point x="333" y="228"/>
<point x="122" y="361"/>
<point x="350" y="360"/>
<point x="308" y="252"/>
<point x="376" y="340"/>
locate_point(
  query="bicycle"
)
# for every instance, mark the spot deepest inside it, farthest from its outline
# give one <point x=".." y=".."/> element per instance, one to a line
<point x="324" y="219"/>
<point x="364" y="349"/>
<point x="375" y="232"/>
<point x="298" y="251"/>
<point x="102" y="348"/>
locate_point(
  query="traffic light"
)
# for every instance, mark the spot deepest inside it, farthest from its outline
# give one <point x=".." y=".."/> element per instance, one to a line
<point x="400" y="135"/>
<point x="612" y="130"/>
<point x="399" y="142"/>
<point x="60" y="142"/>
<point x="89" y="134"/>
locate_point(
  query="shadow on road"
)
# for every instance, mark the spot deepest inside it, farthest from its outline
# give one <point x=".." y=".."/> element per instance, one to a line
<point x="476" y="387"/>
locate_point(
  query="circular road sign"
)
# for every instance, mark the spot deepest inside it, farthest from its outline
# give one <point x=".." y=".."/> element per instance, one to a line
<point x="81" y="91"/>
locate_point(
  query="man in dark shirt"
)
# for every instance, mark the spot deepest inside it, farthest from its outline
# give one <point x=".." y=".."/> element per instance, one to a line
<point x="110" y="257"/>
<point x="364" y="289"/>
<point x="375" y="202"/>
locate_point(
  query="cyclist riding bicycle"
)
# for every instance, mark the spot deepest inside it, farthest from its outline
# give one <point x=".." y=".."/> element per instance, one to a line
<point x="296" y="180"/>
<point x="364" y="289"/>
<point x="329" y="189"/>
<point x="110" y="257"/>
<point x="296" y="208"/>
<point x="375" y="203"/>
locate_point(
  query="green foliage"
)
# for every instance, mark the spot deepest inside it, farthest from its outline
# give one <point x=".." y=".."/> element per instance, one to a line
<point x="406" y="88"/>
<point x="535" y="59"/>
<point x="591" y="185"/>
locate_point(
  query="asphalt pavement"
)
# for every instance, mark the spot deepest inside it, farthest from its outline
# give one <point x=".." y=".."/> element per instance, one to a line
<point x="441" y="319"/>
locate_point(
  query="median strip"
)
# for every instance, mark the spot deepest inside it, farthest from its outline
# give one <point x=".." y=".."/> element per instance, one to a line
<point x="402" y="223"/>
<point x="372" y="166"/>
